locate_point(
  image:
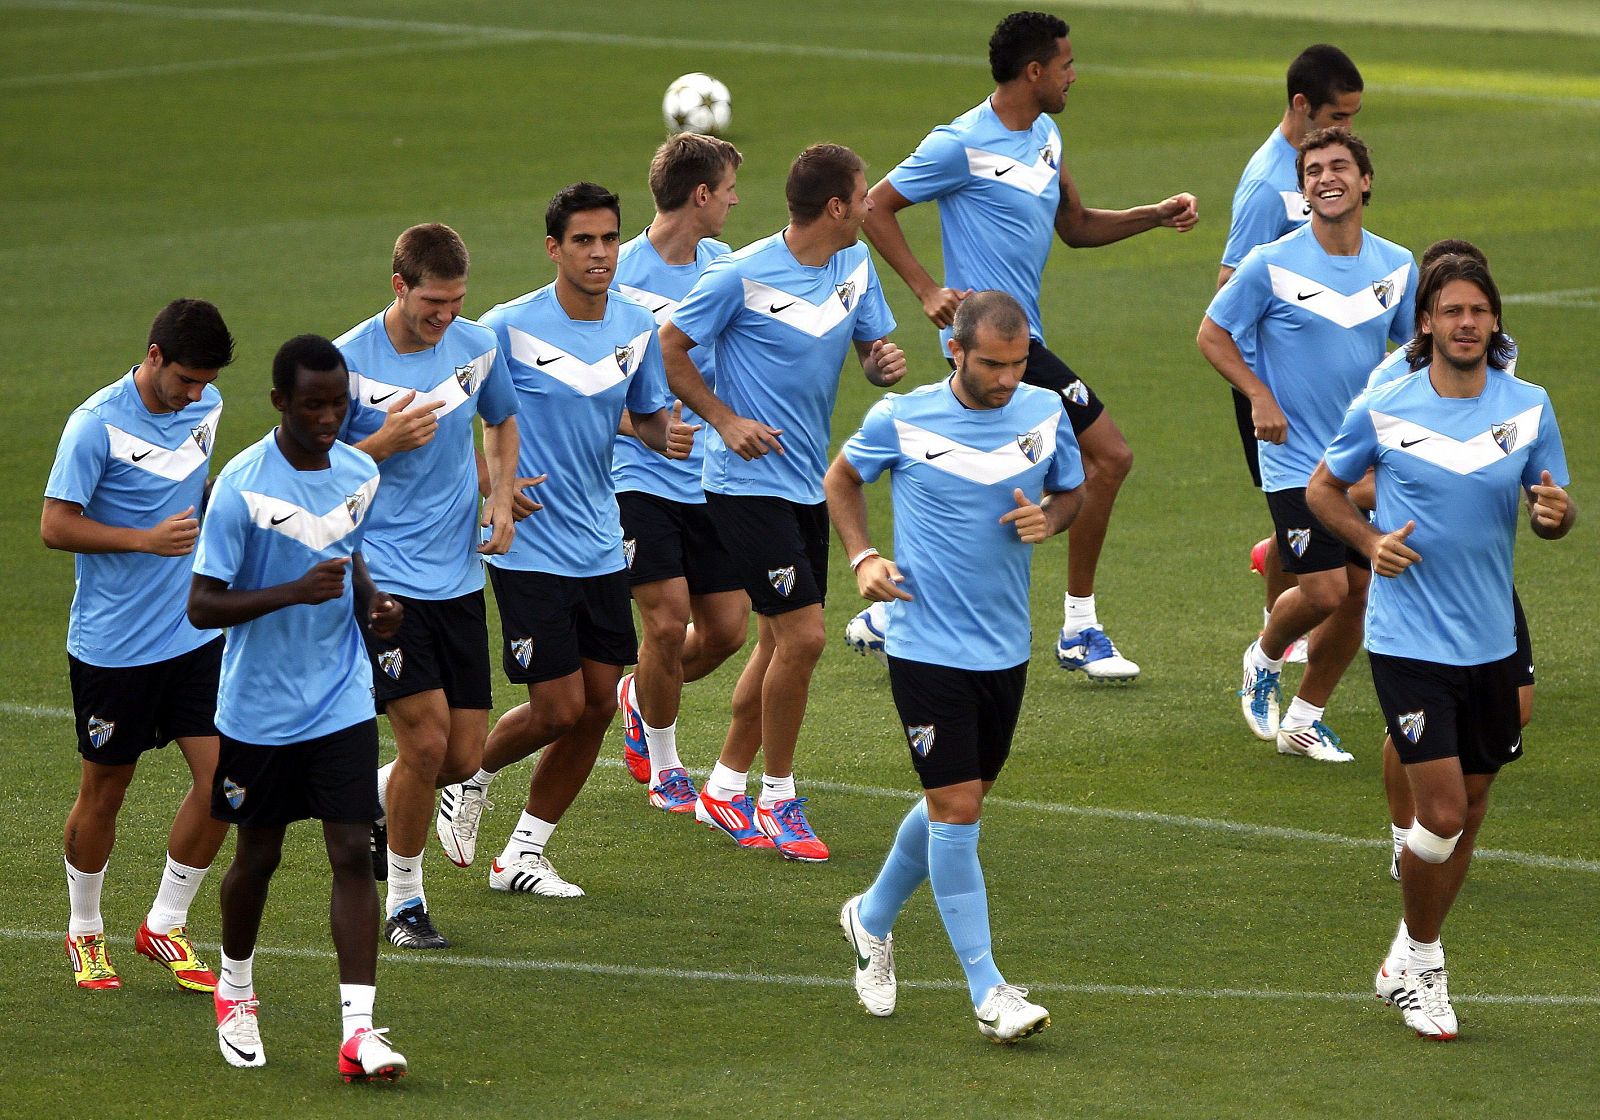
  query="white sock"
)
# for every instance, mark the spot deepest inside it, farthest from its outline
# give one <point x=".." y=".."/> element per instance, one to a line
<point x="83" y="893"/>
<point x="1394" y="962"/>
<point x="1259" y="660"/>
<point x="725" y="783"/>
<point x="1079" y="613"/>
<point x="528" y="838"/>
<point x="236" y="979"/>
<point x="1400" y="833"/>
<point x="405" y="882"/>
<point x="662" y="743"/>
<point x="179" y="884"/>
<point x="481" y="779"/>
<point x="355" y="1007"/>
<point x="774" y="790"/>
<point x="1300" y="714"/>
<point x="1423" y="955"/>
<point x="383" y="787"/>
<point x="1266" y="618"/>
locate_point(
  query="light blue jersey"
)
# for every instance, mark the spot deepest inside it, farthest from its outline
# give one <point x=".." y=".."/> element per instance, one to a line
<point x="1458" y="469"/>
<point x="133" y="468"/>
<point x="644" y="277"/>
<point x="997" y="191"/>
<point x="1396" y="366"/>
<point x="573" y="379"/>
<point x="422" y="539"/>
<point x="782" y="330"/>
<point x="299" y="672"/>
<point x="1266" y="205"/>
<point x="952" y="473"/>
<point x="1320" y="323"/>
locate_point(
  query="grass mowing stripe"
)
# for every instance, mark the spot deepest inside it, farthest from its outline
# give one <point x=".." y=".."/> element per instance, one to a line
<point x="491" y="34"/>
<point x="786" y="980"/>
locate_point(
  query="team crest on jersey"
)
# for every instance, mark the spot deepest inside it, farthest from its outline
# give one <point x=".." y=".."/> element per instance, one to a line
<point x="391" y="661"/>
<point x="522" y="651"/>
<point x="100" y="731"/>
<point x="1505" y="435"/>
<point x="1412" y="723"/>
<point x="629" y="547"/>
<point x="1049" y="157"/>
<point x="1077" y="393"/>
<point x="1384" y="291"/>
<point x="624" y="355"/>
<point x="355" y="505"/>
<point x="233" y="791"/>
<point x="846" y="293"/>
<point x="202" y="438"/>
<point x="782" y="580"/>
<point x="920" y="737"/>
<point x="464" y="378"/>
<point x="1299" y="541"/>
<point x="1032" y="445"/>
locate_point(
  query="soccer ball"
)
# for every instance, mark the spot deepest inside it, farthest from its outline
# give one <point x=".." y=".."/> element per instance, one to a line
<point x="697" y="103"/>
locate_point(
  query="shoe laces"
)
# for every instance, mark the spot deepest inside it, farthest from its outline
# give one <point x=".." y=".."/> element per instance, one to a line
<point x="793" y="818"/>
<point x="1009" y="997"/>
<point x="1433" y="992"/>
<point x="92" y="951"/>
<point x="1097" y="645"/>
<point x="1325" y="733"/>
<point x="676" y="788"/>
<point x="470" y="807"/>
<point x="242" y="1025"/>
<point x="1263" y="687"/>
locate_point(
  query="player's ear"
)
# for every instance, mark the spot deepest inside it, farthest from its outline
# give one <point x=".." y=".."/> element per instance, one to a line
<point x="279" y="400"/>
<point x="398" y="284"/>
<point x="551" y="245"/>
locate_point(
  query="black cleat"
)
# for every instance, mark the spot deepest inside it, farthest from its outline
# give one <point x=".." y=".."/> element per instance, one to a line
<point x="411" y="928"/>
<point x="380" y="850"/>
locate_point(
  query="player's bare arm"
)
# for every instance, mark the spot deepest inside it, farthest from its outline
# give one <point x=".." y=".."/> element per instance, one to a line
<point x="500" y="472"/>
<point x="214" y="605"/>
<point x="883" y="231"/>
<point x="63" y="526"/>
<point x="405" y="428"/>
<point x="1551" y="510"/>
<point x="377" y="609"/>
<point x="664" y="431"/>
<point x="882" y="361"/>
<point x="877" y="578"/>
<point x="1084" y="228"/>
<point x="747" y="438"/>
<point x="1223" y="353"/>
<point x="1331" y="503"/>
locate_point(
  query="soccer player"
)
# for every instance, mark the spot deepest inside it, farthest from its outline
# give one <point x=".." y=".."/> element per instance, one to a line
<point x="968" y="459"/>
<point x="1004" y="193"/>
<point x="782" y="313"/>
<point x="418" y="374"/>
<point x="1324" y="91"/>
<point x="279" y="564"/>
<point x="691" y="603"/>
<point x="125" y="495"/>
<point x="1455" y="446"/>
<point x="1319" y="303"/>
<point x="580" y="354"/>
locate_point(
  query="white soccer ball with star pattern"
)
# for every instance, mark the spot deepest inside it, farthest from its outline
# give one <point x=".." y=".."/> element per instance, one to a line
<point x="697" y="103"/>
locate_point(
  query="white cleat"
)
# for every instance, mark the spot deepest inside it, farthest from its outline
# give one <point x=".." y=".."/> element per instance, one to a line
<point x="866" y="631"/>
<point x="1314" y="741"/>
<point x="239" y="1032"/>
<point x="874" y="978"/>
<point x="531" y="875"/>
<point x="1091" y="650"/>
<point x="461" y="808"/>
<point x="1296" y="653"/>
<point x="1259" y="697"/>
<point x="367" y="1056"/>
<point x="1006" y="1015"/>
<point x="1425" y="1003"/>
<point x="1387" y="985"/>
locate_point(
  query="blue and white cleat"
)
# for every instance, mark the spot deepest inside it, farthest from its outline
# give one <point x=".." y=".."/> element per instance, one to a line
<point x="1259" y="697"/>
<point x="1094" y="653"/>
<point x="865" y="632"/>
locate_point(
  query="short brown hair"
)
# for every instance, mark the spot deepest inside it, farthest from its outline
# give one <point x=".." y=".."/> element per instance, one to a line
<point x="684" y="162"/>
<point x="996" y="310"/>
<point x="820" y="173"/>
<point x="430" y="251"/>
<point x="1319" y="138"/>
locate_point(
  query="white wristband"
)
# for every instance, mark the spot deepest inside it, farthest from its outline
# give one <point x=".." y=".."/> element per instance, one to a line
<point x="855" y="561"/>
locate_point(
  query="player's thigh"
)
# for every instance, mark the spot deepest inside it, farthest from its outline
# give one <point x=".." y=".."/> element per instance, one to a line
<point x="605" y="621"/>
<point x="940" y="717"/>
<point x="780" y="549"/>
<point x="538" y="624"/>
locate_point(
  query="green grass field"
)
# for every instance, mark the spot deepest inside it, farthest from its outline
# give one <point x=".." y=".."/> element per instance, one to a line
<point x="1201" y="916"/>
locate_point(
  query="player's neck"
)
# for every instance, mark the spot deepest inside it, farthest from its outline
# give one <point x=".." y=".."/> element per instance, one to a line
<point x="814" y="243"/>
<point x="579" y="304"/>
<point x="144" y="380"/>
<point x="403" y="341"/>
<point x="675" y="237"/>
<point x="1450" y="380"/>
<point x="1015" y="105"/>
<point x="1340" y="237"/>
<point x="299" y="458"/>
<point x="1292" y="127"/>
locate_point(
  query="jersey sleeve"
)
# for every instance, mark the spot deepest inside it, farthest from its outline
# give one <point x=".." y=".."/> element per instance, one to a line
<point x="711" y="304"/>
<point x="1547" y="454"/>
<point x="938" y="167"/>
<point x="80" y="459"/>
<point x="497" y="399"/>
<point x="348" y="427"/>
<point x="648" y="391"/>
<point x="1355" y="447"/>
<point x="874" y="320"/>
<point x="220" y="552"/>
<point x="875" y="447"/>
<point x="1258" y="217"/>
<point x="1241" y="303"/>
<point x="1404" y="323"/>
<point x="1396" y="365"/>
<point x="1066" y="465"/>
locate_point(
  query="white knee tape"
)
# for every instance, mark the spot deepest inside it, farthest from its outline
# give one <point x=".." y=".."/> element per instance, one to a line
<point x="1428" y="847"/>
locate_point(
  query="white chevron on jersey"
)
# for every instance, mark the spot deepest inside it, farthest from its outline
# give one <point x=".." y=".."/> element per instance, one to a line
<point x="1346" y="311"/>
<point x="1035" y="178"/>
<point x="654" y="302"/>
<point x="174" y="464"/>
<point x="1461" y="456"/>
<point x="803" y="315"/>
<point x="587" y="378"/>
<point x="972" y="463"/>
<point x="453" y="392"/>
<point x="1295" y="206"/>
<point x="314" y="530"/>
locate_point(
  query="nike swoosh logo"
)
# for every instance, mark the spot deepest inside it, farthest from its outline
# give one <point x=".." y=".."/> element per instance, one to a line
<point x="139" y="456"/>
<point x="546" y="361"/>
<point x="936" y="454"/>
<point x="281" y="520"/>
<point x="248" y="1056"/>
<point x="180" y="875"/>
<point x="379" y="400"/>
<point x="999" y="171"/>
<point x="775" y="308"/>
<point x="990" y="1021"/>
<point x="1309" y="295"/>
<point x="1412" y="442"/>
<point x="976" y="959"/>
<point x="862" y="963"/>
<point x="659" y="310"/>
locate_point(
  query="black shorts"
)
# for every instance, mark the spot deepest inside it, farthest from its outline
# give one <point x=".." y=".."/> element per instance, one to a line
<point x="664" y="539"/>
<point x="1437" y="711"/>
<point x="333" y="777"/>
<point x="1304" y="545"/>
<point x="779" y="549"/>
<point x="1524" y="654"/>
<point x="442" y="643"/>
<point x="958" y="722"/>
<point x="123" y="712"/>
<point x="1049" y="372"/>
<point x="551" y="624"/>
<point x="1245" y="418"/>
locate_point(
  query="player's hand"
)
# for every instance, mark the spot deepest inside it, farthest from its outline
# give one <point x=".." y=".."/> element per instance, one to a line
<point x="1390" y="554"/>
<point x="680" y="436"/>
<point x="407" y="428"/>
<point x="1547" y="503"/>
<point x="1180" y="212"/>
<point x="499" y="519"/>
<point x="749" y="439"/>
<point x="384" y="613"/>
<point x="1031" y="523"/>
<point x="885" y="364"/>
<point x="322" y="582"/>
<point x="173" y="537"/>
<point x="1270" y="422"/>
<point x="940" y="305"/>
<point x="879" y="580"/>
<point x="522" y="503"/>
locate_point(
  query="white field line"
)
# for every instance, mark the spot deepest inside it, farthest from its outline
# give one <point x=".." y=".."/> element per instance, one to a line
<point x="794" y="980"/>
<point x="498" y="35"/>
<point x="1563" y="297"/>
<point x="1092" y="812"/>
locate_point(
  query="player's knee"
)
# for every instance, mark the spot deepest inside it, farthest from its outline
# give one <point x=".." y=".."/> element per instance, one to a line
<point x="1116" y="462"/>
<point x="1525" y="704"/>
<point x="257" y="861"/>
<point x="1324" y="597"/>
<point x="1429" y="846"/>
<point x="804" y="643"/>
<point x="664" y="633"/>
<point x="721" y="642"/>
